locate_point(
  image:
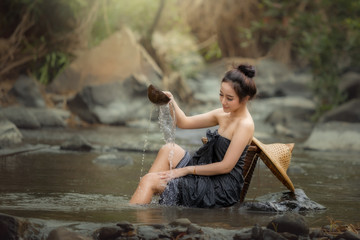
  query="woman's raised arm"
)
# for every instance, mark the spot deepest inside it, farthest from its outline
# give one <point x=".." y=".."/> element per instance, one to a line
<point x="204" y="120"/>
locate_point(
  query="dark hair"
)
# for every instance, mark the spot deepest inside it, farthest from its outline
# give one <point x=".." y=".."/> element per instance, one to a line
<point x="242" y="79"/>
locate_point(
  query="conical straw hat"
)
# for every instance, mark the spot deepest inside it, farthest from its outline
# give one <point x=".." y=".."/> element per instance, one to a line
<point x="277" y="157"/>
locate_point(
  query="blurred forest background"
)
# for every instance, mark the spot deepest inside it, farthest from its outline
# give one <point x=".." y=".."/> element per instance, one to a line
<point x="41" y="37"/>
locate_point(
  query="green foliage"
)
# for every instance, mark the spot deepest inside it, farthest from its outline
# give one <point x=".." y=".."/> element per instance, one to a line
<point x="51" y="66"/>
<point x="325" y="34"/>
<point x="49" y="40"/>
<point x="136" y="14"/>
<point x="213" y="52"/>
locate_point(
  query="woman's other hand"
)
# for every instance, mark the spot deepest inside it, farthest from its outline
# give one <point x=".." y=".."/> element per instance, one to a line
<point x="174" y="173"/>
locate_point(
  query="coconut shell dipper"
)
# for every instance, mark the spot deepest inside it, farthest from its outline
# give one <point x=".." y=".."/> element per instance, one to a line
<point x="157" y="96"/>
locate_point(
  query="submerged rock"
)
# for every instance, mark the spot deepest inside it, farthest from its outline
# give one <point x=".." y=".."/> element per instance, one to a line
<point x="77" y="143"/>
<point x="284" y="202"/>
<point x="113" y="160"/>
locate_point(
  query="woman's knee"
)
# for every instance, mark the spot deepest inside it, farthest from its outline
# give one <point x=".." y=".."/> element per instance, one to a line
<point x="168" y="147"/>
<point x="151" y="181"/>
<point x="172" y="149"/>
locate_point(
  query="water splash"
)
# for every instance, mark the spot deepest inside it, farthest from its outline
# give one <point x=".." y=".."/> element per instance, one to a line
<point x="167" y="125"/>
<point x="146" y="142"/>
<point x="167" y="122"/>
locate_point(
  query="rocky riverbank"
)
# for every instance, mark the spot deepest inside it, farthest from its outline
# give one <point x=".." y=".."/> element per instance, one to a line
<point x="283" y="110"/>
<point x="288" y="226"/>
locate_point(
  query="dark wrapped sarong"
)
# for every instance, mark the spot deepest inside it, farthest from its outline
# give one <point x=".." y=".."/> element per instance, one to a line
<point x="206" y="191"/>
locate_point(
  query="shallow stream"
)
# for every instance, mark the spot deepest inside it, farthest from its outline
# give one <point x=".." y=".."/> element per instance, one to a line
<point x="67" y="188"/>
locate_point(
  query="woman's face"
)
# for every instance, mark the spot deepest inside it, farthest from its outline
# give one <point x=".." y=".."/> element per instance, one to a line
<point x="228" y="97"/>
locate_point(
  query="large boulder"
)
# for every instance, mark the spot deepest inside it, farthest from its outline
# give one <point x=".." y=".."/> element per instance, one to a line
<point x="284" y="202"/>
<point x="334" y="136"/>
<point x="291" y="222"/>
<point x="347" y="112"/>
<point x="21" y="117"/>
<point x="13" y="228"/>
<point x="114" y="59"/>
<point x="350" y="85"/>
<point x="34" y="118"/>
<point x="287" y="116"/>
<point x="48" y="117"/>
<point x="27" y="92"/>
<point x="274" y="79"/>
<point x="112" y="103"/>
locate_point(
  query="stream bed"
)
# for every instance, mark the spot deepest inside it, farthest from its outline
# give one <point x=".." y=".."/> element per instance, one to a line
<point x="69" y="188"/>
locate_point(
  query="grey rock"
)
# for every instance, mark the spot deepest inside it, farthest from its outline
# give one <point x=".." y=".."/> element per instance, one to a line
<point x="347" y="112"/>
<point x="334" y="136"/>
<point x="284" y="202"/>
<point x="348" y="235"/>
<point x="106" y="233"/>
<point x="149" y="233"/>
<point x="274" y="79"/>
<point x="126" y="226"/>
<point x="8" y="227"/>
<point x="194" y="229"/>
<point x="243" y="235"/>
<point x="288" y="115"/>
<point x="21" y="117"/>
<point x="62" y="233"/>
<point x="184" y="222"/>
<point x="350" y="85"/>
<point x="112" y="103"/>
<point x="113" y="160"/>
<point x="9" y="133"/>
<point x="34" y="118"/>
<point x="27" y="92"/>
<point x="272" y="235"/>
<point x="291" y="223"/>
<point x="256" y="232"/>
<point x="76" y="143"/>
<point x="14" y="228"/>
<point x="48" y="117"/>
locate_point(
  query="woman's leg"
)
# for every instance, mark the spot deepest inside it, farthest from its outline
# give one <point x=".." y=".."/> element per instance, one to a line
<point x="169" y="154"/>
<point x="151" y="183"/>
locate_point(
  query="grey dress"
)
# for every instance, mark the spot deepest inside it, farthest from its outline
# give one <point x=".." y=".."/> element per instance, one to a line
<point x="206" y="191"/>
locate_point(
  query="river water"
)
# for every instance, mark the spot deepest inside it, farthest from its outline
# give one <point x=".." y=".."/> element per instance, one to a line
<point x="65" y="188"/>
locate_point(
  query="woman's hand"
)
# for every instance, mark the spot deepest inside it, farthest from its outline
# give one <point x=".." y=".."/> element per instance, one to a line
<point x="169" y="94"/>
<point x="174" y="173"/>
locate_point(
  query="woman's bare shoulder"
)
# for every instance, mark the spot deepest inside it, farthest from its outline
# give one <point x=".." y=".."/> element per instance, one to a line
<point x="245" y="127"/>
<point x="218" y="112"/>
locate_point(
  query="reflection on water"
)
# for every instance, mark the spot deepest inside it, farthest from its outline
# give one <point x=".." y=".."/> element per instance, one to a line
<point x="69" y="186"/>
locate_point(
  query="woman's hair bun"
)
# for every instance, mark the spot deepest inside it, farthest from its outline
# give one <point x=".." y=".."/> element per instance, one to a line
<point x="247" y="70"/>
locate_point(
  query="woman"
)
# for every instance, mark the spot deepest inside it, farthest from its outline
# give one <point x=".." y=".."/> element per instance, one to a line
<point x="212" y="177"/>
